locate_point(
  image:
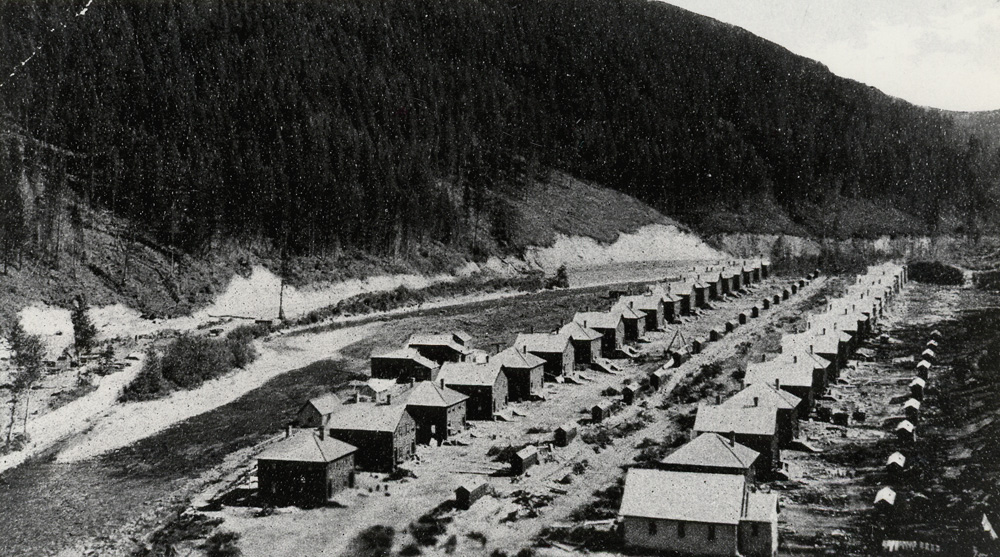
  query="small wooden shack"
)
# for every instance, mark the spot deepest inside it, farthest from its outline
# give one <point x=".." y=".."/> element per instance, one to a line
<point x="917" y="387"/>
<point x="659" y="378"/>
<point x="912" y="410"/>
<point x="524" y="459"/>
<point x="905" y="431"/>
<point x="629" y="393"/>
<point x="602" y="411"/>
<point x="885" y="500"/>
<point x="470" y="492"/>
<point x="565" y="434"/>
<point x="895" y="464"/>
<point x="765" y="303"/>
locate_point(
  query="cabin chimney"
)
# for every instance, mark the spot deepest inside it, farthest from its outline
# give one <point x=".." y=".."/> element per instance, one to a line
<point x="777" y="383"/>
<point x="388" y="398"/>
<point x="442" y="383"/>
<point x="756" y="401"/>
<point x="732" y="438"/>
<point x="288" y="431"/>
<point x="795" y="359"/>
<point x="810" y="349"/>
<point x="763" y="357"/>
<point x="718" y="399"/>
<point x="524" y="349"/>
<point x="824" y="330"/>
<point x="322" y="433"/>
<point x="532" y="329"/>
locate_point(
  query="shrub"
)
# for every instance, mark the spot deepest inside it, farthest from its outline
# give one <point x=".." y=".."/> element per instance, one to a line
<point x="935" y="272"/>
<point x="410" y="550"/>
<point x="149" y="382"/>
<point x="375" y="541"/>
<point x="223" y="544"/>
<point x="560" y="280"/>
<point x="450" y="544"/>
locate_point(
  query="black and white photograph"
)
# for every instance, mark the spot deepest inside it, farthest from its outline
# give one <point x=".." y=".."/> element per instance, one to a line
<point x="499" y="278"/>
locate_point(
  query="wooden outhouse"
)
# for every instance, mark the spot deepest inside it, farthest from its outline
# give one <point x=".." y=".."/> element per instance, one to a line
<point x="470" y="492"/>
<point x="524" y="459"/>
<point x="565" y="434"/>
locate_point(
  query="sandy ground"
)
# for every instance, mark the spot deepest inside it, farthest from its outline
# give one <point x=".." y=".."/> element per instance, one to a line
<point x="71" y="419"/>
<point x="828" y="501"/>
<point x="440" y="469"/>
<point x="127" y="423"/>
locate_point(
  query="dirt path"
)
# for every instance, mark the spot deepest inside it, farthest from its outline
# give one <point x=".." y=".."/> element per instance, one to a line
<point x="124" y="424"/>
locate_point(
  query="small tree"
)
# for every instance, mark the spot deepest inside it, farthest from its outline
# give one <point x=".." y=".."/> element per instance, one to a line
<point x="28" y="354"/>
<point x="84" y="331"/>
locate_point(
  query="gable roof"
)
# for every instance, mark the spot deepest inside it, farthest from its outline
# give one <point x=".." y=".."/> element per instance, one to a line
<point x="786" y="371"/>
<point x="761" y="507"/>
<point x="766" y="395"/>
<point x="513" y="358"/>
<point x="758" y="420"/>
<point x="382" y="385"/>
<point x="326" y="404"/>
<point x="426" y="393"/>
<point x="688" y="496"/>
<point x="643" y="302"/>
<point x="598" y="319"/>
<point x="470" y="373"/>
<point x="627" y="312"/>
<point x="542" y="342"/>
<point x="715" y="451"/>
<point x="368" y="417"/>
<point x="306" y="446"/>
<point x="406" y="353"/>
<point x="436" y="339"/>
<point x="576" y="331"/>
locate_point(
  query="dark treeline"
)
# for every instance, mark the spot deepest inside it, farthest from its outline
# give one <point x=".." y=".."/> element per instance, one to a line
<point x="383" y="124"/>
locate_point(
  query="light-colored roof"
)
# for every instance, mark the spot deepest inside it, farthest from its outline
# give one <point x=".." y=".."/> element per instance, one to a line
<point x="382" y="385"/>
<point x="628" y="312"/>
<point x="644" y="302"/>
<point x="306" y="446"/>
<point x="427" y="393"/>
<point x="576" y="331"/>
<point x="918" y="382"/>
<point x="470" y="373"/>
<point x="542" y="342"/>
<point x="326" y="404"/>
<point x="912" y="403"/>
<point x="513" y="358"/>
<point x="905" y="425"/>
<point x="896" y="458"/>
<point x="406" y="353"/>
<point x="785" y="371"/>
<point x="766" y="395"/>
<point x="368" y="417"/>
<point x="750" y="421"/>
<point x="713" y="450"/>
<point x="761" y="507"/>
<point x="688" y="496"/>
<point x="886" y="494"/>
<point x="924" y="364"/>
<point x="598" y="319"/>
<point x="437" y="339"/>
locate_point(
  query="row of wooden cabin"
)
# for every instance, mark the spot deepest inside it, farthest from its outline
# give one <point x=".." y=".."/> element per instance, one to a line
<point x="425" y="391"/>
<point x="701" y="500"/>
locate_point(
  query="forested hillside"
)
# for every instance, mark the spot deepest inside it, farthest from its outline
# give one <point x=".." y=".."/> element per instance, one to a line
<point x="382" y="125"/>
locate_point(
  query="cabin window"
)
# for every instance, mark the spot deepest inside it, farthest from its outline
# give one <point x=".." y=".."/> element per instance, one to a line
<point x="652" y="527"/>
<point x="680" y="530"/>
<point x="754" y="529"/>
<point x="711" y="532"/>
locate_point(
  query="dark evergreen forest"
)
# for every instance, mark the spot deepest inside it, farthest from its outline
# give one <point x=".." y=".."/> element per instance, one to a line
<point x="381" y="124"/>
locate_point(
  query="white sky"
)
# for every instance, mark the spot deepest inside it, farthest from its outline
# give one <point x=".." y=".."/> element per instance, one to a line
<point x="940" y="53"/>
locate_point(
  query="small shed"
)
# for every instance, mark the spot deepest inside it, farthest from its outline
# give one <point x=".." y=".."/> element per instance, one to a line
<point x="680" y="356"/>
<point x="932" y="344"/>
<point x="629" y="393"/>
<point x="895" y="464"/>
<point x="936" y="334"/>
<point x="524" y="459"/>
<point x="912" y="409"/>
<point x="765" y="303"/>
<point x="468" y="493"/>
<point x="601" y="411"/>
<point x="786" y="294"/>
<point x="885" y="500"/>
<point x="565" y="434"/>
<point x="715" y="335"/>
<point x="742" y="318"/>
<point x="659" y="378"/>
<point x="731" y="326"/>
<point x="917" y="387"/>
<point x="794" y="288"/>
<point x="906" y="431"/>
<point x="841" y="417"/>
<point x="923" y="369"/>
<point x="755" y="312"/>
<point x="697" y="345"/>
<point x="929" y="355"/>
<point x="802" y="282"/>
<point x="777" y="299"/>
